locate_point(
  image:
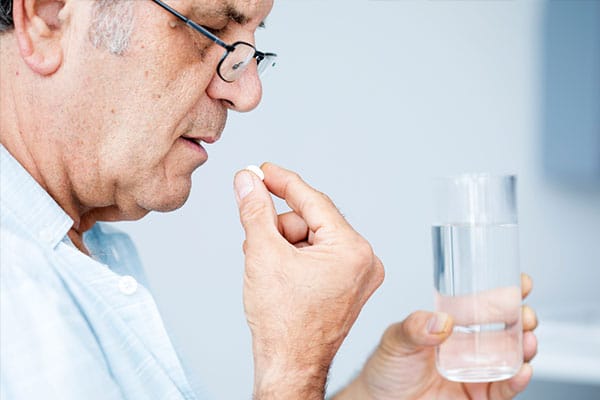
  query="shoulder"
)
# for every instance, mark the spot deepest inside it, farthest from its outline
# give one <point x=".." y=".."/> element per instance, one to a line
<point x="43" y="326"/>
<point x="22" y="259"/>
<point x="33" y="299"/>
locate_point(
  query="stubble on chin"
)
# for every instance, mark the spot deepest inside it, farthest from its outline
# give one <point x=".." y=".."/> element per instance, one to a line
<point x="167" y="197"/>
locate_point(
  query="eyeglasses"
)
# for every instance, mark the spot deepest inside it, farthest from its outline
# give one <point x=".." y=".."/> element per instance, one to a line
<point x="237" y="56"/>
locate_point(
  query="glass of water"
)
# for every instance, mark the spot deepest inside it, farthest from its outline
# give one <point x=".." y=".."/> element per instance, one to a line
<point x="477" y="277"/>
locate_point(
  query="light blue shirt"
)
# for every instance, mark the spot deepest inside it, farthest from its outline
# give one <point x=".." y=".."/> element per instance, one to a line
<point x="73" y="326"/>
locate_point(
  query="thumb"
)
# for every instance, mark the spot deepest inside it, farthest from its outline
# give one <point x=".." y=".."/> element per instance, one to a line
<point x="257" y="212"/>
<point x="419" y="330"/>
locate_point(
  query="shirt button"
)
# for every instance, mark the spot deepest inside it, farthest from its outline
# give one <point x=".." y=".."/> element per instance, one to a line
<point x="128" y="285"/>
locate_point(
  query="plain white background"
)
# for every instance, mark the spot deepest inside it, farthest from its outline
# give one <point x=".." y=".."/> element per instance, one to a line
<point x="369" y="101"/>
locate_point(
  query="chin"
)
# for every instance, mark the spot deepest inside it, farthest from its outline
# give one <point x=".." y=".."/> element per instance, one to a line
<point x="169" y="206"/>
<point x="167" y="201"/>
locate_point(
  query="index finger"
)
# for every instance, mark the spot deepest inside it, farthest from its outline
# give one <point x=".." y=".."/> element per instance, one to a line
<point x="313" y="206"/>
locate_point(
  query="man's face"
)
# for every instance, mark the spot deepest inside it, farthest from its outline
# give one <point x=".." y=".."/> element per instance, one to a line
<point x="131" y="114"/>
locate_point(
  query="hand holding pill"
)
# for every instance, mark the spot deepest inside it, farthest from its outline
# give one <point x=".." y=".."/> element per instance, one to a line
<point x="307" y="275"/>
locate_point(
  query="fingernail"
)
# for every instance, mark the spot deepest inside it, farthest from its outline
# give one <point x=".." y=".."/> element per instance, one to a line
<point x="437" y="323"/>
<point x="243" y="185"/>
<point x="257" y="171"/>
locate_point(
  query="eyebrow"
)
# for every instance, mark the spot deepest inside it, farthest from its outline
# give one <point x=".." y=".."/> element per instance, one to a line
<point x="226" y="11"/>
<point x="236" y="16"/>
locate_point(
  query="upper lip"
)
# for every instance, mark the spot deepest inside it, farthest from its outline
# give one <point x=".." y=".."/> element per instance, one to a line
<point x="206" y="139"/>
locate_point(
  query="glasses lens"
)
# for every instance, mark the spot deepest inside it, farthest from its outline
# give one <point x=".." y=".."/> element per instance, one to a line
<point x="266" y="64"/>
<point x="236" y="61"/>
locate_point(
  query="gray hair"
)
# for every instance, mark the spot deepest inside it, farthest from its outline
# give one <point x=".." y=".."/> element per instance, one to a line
<point x="6" y="21"/>
<point x="111" y="26"/>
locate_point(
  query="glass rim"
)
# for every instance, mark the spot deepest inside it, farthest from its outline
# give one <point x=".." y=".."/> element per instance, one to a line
<point x="466" y="176"/>
<point x="475" y="198"/>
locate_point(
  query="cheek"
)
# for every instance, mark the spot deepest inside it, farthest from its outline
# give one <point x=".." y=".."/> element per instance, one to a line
<point x="143" y="100"/>
<point x="126" y="148"/>
<point x="155" y="110"/>
<point x="171" y="63"/>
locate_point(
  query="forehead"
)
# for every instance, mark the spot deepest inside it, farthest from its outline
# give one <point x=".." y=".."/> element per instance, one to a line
<point x="240" y="11"/>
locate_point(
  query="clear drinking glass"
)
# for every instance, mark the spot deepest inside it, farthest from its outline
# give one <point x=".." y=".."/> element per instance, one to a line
<point x="477" y="277"/>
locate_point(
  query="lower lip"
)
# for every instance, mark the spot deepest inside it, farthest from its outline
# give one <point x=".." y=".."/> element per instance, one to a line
<point x="193" y="145"/>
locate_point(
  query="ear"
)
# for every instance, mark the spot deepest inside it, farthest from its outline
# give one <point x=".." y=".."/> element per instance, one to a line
<point x="38" y="32"/>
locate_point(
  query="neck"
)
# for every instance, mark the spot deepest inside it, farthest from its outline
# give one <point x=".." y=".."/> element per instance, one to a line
<point x="31" y="143"/>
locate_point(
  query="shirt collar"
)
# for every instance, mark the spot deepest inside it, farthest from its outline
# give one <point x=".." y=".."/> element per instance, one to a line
<point x="26" y="200"/>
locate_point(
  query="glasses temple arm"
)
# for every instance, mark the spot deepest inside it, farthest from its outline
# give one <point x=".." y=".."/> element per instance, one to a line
<point x="193" y="25"/>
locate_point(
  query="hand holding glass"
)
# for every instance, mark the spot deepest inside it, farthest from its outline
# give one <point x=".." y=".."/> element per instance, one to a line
<point x="477" y="277"/>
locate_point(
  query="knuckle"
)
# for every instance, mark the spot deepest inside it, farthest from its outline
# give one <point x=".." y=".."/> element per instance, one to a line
<point x="507" y="391"/>
<point x="293" y="180"/>
<point x="315" y="200"/>
<point x="414" y="320"/>
<point x="391" y="333"/>
<point x="379" y="272"/>
<point x="295" y="177"/>
<point x="323" y="197"/>
<point x="363" y="252"/>
<point x="309" y="203"/>
<point x="402" y="337"/>
<point x="253" y="210"/>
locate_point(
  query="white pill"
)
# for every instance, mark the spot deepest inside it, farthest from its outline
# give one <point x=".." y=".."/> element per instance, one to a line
<point x="257" y="171"/>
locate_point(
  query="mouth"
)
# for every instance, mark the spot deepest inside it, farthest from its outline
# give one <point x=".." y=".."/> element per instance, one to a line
<point x="195" y="144"/>
<point x="200" y="139"/>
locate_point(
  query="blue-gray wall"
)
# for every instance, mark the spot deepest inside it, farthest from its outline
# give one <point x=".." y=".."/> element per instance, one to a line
<point x="370" y="100"/>
<point x="571" y="92"/>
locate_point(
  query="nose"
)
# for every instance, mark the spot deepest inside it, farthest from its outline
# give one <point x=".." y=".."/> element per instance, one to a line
<point x="242" y="95"/>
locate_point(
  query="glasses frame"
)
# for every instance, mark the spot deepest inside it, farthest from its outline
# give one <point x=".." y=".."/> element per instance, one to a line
<point x="229" y="48"/>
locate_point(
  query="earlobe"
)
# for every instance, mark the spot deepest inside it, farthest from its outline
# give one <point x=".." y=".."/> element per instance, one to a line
<point x="38" y="33"/>
<point x="44" y="62"/>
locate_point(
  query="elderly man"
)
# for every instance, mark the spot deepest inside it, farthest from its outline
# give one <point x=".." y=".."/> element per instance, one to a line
<point x="104" y="108"/>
